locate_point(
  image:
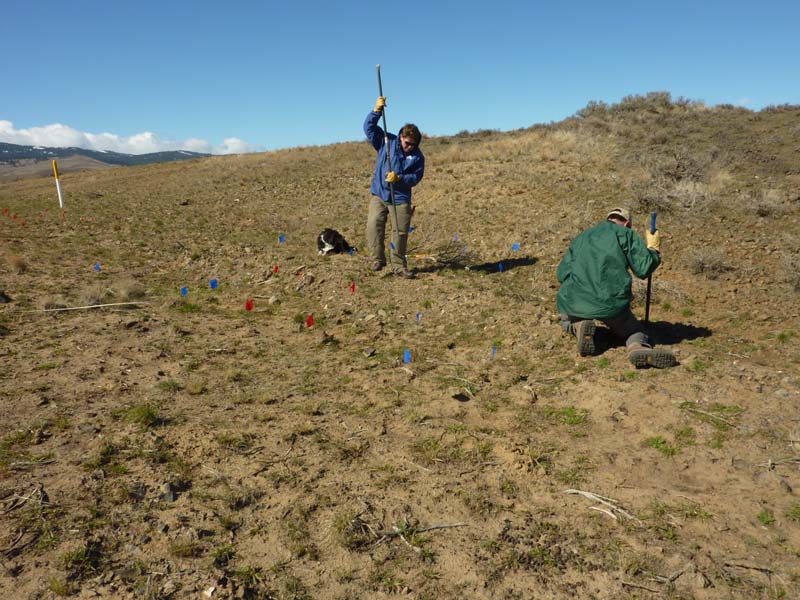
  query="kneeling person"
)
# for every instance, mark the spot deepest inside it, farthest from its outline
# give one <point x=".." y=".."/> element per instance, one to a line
<point x="596" y="284"/>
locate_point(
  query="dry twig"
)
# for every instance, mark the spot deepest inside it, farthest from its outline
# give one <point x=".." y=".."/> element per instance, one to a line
<point x="764" y="570"/>
<point x="37" y="495"/>
<point x="90" y="306"/>
<point x="640" y="587"/>
<point x="610" y="503"/>
<point x="711" y="416"/>
<point x="771" y="464"/>
<point x="20" y="465"/>
<point x="266" y="464"/>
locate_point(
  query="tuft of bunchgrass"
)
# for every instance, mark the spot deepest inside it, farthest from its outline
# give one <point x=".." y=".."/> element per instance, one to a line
<point x="662" y="445"/>
<point x="145" y="415"/>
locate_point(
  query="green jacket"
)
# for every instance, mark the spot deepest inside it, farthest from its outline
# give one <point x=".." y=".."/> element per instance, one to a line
<point x="594" y="278"/>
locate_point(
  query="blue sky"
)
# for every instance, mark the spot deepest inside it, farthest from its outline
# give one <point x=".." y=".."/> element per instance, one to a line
<point x="247" y="76"/>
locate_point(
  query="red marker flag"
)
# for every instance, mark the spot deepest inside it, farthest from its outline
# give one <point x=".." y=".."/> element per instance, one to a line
<point x="248" y="306"/>
<point x="310" y="320"/>
<point x="353" y="287"/>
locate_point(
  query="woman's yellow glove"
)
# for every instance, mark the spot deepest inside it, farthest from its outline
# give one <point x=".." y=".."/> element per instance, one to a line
<point x="380" y="103"/>
<point x="392" y="177"/>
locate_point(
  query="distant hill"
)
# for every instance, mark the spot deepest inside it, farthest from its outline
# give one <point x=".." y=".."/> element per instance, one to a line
<point x="35" y="161"/>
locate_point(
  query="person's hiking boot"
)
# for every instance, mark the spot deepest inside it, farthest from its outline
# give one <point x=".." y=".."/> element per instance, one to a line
<point x="584" y="331"/>
<point x="377" y="266"/>
<point x="642" y="356"/>
<point x="404" y="272"/>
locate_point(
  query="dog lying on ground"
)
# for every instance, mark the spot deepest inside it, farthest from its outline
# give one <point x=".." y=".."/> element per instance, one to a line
<point x="331" y="241"/>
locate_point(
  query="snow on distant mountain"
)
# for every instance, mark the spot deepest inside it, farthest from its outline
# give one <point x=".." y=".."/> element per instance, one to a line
<point x="11" y="154"/>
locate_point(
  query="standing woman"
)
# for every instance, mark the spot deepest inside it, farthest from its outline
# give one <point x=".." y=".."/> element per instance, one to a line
<point x="400" y="166"/>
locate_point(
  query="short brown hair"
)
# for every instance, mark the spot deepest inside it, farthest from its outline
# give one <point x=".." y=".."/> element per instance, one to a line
<point x="410" y="130"/>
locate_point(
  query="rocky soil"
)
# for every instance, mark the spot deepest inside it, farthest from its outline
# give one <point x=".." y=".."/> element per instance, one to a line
<point x="429" y="438"/>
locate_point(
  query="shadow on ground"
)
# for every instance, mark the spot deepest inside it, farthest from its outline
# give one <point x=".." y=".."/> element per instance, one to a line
<point x="661" y="333"/>
<point x="499" y="266"/>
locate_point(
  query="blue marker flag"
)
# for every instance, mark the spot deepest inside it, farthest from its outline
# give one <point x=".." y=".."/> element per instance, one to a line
<point x="419" y="316"/>
<point x="97" y="266"/>
<point x="410" y="229"/>
<point x="213" y="283"/>
<point x="494" y="351"/>
<point x="281" y="238"/>
<point x="515" y="247"/>
<point x="407" y="356"/>
<point x="184" y="291"/>
<point x="391" y="245"/>
<point x="500" y="267"/>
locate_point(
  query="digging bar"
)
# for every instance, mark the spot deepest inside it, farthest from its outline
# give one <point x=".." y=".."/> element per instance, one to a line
<point x="395" y="230"/>
<point x="649" y="277"/>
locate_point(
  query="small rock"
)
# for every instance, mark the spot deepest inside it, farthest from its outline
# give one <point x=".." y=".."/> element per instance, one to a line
<point x="4" y="298"/>
<point x="137" y="491"/>
<point x="169" y="588"/>
<point x="328" y="339"/>
<point x="368" y="352"/>
<point x="167" y="493"/>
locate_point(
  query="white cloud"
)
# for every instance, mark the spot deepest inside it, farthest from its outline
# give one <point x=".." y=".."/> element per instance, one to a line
<point x="744" y="102"/>
<point x="63" y="136"/>
<point x="235" y="146"/>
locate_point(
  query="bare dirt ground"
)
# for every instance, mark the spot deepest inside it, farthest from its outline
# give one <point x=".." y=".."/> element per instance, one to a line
<point x="181" y="446"/>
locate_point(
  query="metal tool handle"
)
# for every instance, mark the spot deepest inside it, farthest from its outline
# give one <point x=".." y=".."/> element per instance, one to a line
<point x="649" y="277"/>
<point x="395" y="229"/>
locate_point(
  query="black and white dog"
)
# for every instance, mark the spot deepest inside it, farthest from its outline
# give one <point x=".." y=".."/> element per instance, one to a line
<point x="331" y="241"/>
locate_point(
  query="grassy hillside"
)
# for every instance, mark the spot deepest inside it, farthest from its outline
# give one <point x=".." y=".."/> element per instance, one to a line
<point x="179" y="444"/>
<point x="22" y="162"/>
<point x="44" y="168"/>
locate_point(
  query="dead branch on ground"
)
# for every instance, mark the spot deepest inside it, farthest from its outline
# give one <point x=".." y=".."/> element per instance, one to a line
<point x="612" y="507"/>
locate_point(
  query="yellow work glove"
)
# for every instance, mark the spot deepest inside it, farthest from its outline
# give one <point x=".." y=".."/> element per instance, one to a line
<point x="653" y="241"/>
<point x="380" y="103"/>
<point x="392" y="177"/>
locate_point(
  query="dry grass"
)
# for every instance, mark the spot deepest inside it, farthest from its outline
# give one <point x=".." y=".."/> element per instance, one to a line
<point x="185" y="442"/>
<point x="17" y="264"/>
